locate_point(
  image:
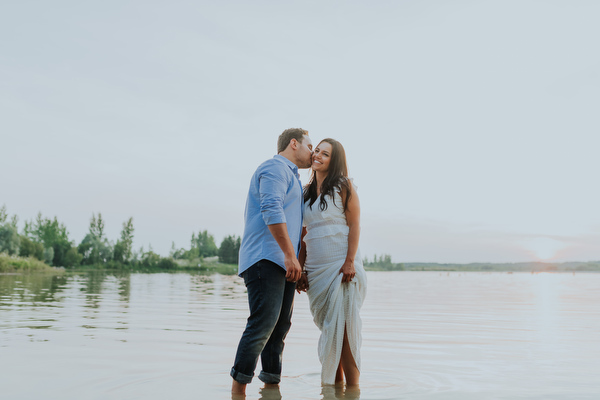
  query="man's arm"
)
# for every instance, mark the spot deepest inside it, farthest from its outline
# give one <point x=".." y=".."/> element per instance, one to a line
<point x="272" y="188"/>
<point x="292" y="266"/>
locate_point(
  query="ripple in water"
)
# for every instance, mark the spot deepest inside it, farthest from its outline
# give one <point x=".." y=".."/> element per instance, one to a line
<point x="425" y="336"/>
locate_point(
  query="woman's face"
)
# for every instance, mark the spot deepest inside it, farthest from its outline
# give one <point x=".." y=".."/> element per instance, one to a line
<point x="321" y="157"/>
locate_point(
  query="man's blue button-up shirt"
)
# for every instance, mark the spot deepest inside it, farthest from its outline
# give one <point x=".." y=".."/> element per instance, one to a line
<point x="274" y="197"/>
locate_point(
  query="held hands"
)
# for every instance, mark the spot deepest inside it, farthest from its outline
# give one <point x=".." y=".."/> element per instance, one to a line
<point x="348" y="271"/>
<point x="302" y="284"/>
<point x="293" y="269"/>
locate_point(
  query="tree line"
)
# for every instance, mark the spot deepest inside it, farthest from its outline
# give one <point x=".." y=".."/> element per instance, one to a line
<point x="47" y="240"/>
<point x="382" y="263"/>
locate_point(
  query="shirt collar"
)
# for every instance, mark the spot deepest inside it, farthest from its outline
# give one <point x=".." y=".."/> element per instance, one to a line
<point x="290" y="164"/>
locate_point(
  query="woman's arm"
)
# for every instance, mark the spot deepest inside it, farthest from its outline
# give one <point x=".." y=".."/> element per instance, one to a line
<point x="302" y="284"/>
<point x="353" y="221"/>
<point x="302" y="254"/>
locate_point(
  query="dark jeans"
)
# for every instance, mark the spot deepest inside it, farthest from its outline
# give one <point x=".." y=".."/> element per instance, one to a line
<point x="271" y="300"/>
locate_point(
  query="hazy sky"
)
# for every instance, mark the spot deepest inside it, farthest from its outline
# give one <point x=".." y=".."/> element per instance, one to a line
<point x="471" y="127"/>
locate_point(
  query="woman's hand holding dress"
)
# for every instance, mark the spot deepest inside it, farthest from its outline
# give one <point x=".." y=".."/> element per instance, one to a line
<point x="348" y="271"/>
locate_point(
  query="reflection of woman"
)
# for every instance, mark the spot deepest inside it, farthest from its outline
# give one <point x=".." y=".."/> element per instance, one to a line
<point x="335" y="279"/>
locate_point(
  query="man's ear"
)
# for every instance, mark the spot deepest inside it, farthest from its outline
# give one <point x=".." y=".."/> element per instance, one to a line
<point x="294" y="144"/>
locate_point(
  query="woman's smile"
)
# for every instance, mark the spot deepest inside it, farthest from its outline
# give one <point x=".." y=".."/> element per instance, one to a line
<point x="321" y="157"/>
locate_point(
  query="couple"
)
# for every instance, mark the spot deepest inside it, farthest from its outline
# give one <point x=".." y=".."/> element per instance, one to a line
<point x="278" y="256"/>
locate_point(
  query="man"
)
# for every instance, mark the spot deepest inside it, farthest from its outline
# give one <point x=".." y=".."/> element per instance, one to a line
<point x="269" y="258"/>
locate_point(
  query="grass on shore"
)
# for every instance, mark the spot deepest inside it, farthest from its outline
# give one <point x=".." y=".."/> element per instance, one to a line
<point x="14" y="264"/>
<point x="209" y="267"/>
<point x="198" y="266"/>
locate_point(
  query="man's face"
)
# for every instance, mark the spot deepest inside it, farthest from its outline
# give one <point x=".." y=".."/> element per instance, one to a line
<point x="304" y="152"/>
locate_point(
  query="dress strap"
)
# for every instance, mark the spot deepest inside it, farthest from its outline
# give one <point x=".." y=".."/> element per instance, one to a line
<point x="325" y="223"/>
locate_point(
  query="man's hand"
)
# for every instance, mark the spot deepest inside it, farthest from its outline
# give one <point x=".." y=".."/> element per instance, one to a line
<point x="302" y="284"/>
<point x="293" y="269"/>
<point x="292" y="266"/>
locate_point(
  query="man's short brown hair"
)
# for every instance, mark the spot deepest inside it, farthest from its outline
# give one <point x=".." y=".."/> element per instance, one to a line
<point x="286" y="137"/>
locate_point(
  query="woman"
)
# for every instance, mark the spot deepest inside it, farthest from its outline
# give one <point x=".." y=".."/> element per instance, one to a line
<point x="334" y="279"/>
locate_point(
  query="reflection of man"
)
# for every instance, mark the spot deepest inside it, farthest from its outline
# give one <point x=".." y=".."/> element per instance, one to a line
<point x="268" y="258"/>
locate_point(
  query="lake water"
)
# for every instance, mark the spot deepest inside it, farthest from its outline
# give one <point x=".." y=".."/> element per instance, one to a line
<point x="426" y="335"/>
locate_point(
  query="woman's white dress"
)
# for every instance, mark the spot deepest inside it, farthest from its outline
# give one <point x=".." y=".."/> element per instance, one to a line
<point x="333" y="304"/>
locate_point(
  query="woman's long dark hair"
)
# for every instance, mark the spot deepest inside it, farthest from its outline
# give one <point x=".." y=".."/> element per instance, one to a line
<point x="337" y="178"/>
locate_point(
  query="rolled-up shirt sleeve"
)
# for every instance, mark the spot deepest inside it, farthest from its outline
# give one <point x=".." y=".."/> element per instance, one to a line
<point x="273" y="187"/>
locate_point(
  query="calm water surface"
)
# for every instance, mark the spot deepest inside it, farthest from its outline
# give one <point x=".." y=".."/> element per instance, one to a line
<point x="426" y="335"/>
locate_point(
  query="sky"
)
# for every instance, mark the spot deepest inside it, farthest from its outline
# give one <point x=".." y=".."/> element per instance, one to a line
<point x="471" y="128"/>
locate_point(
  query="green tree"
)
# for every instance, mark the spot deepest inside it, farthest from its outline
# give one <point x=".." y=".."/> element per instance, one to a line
<point x="94" y="250"/>
<point x="53" y="235"/>
<point x="72" y="258"/>
<point x="3" y="214"/>
<point x="31" y="248"/>
<point x="229" y="250"/>
<point x="179" y="254"/>
<point x="206" y="244"/>
<point x="23" y="245"/>
<point x="383" y="262"/>
<point x="9" y="239"/>
<point x="166" y="263"/>
<point x="48" y="255"/>
<point x="94" y="247"/>
<point x="97" y="226"/>
<point x="124" y="247"/>
<point x="150" y="259"/>
<point x="193" y="252"/>
<point x="136" y="257"/>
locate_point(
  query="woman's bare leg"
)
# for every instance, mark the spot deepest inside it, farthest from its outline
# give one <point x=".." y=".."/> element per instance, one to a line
<point x="348" y="364"/>
<point x="339" y="375"/>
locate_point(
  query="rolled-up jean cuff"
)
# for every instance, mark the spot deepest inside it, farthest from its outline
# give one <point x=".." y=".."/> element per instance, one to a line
<point x="239" y="377"/>
<point x="269" y="378"/>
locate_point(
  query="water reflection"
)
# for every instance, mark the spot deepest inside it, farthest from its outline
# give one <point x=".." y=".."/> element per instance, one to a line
<point x="328" y="392"/>
<point x="425" y="336"/>
<point x="124" y="288"/>
<point x="27" y="289"/>
<point x="93" y="289"/>
<point x="340" y="392"/>
<point x="273" y="393"/>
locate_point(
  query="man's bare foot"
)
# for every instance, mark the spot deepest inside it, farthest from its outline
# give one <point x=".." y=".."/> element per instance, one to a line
<point x="238" y="388"/>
